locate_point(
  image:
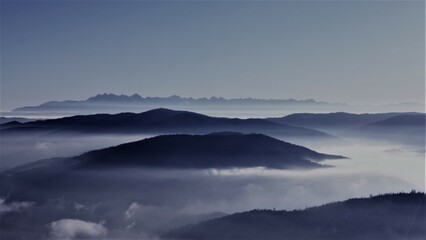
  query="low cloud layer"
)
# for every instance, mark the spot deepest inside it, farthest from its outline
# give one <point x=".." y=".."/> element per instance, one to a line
<point x="6" y="207"/>
<point x="142" y="203"/>
<point x="145" y="202"/>
<point x="67" y="229"/>
<point x="131" y="211"/>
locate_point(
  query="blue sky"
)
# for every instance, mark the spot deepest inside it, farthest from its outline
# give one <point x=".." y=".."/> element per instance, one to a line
<point x="356" y="52"/>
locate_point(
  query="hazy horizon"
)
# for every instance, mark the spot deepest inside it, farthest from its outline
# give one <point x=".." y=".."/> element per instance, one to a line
<point x="241" y="110"/>
<point x="351" y="52"/>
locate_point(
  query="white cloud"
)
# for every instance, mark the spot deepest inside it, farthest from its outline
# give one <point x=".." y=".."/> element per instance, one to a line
<point x="131" y="211"/>
<point x="130" y="226"/>
<point x="81" y="207"/>
<point x="13" y="206"/>
<point x="43" y="145"/>
<point x="67" y="229"/>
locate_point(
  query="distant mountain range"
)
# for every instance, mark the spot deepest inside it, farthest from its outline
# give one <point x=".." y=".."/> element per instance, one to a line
<point x="112" y="103"/>
<point x="112" y="100"/>
<point x="405" y="127"/>
<point x="408" y="129"/>
<point x="12" y="119"/>
<point x="402" y="120"/>
<point x="390" y="216"/>
<point x="158" y="121"/>
<point x="340" y="120"/>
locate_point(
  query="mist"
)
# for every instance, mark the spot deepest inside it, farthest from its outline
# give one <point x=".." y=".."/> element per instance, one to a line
<point x="144" y="202"/>
<point x="25" y="148"/>
<point x="135" y="203"/>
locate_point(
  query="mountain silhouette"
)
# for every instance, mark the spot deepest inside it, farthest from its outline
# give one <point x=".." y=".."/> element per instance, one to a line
<point x="406" y="129"/>
<point x="400" y="121"/>
<point x="11" y="124"/>
<point x="114" y="103"/>
<point x="390" y="216"/>
<point x="57" y="177"/>
<point x="114" y="98"/>
<point x="338" y="120"/>
<point x="108" y="100"/>
<point x="223" y="150"/>
<point x="4" y="120"/>
<point x="160" y="121"/>
<point x="218" y="150"/>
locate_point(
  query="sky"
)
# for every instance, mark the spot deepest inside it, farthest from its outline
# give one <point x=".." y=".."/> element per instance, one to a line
<point x="368" y="52"/>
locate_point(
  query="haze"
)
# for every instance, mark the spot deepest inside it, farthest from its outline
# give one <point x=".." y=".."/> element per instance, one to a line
<point x="327" y="50"/>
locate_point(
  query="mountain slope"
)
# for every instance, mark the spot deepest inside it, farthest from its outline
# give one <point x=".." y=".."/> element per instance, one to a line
<point x="11" y="124"/>
<point x="14" y="119"/>
<point x="338" y="120"/>
<point x="406" y="129"/>
<point x="164" y="121"/>
<point x="220" y="150"/>
<point x="400" y="121"/>
<point x="392" y="216"/>
<point x="209" y="151"/>
<point x="92" y="171"/>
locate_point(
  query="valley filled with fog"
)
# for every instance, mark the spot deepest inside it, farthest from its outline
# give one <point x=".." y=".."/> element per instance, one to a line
<point x="144" y="202"/>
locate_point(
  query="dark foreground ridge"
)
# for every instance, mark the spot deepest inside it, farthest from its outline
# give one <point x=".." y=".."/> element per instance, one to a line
<point x="218" y="150"/>
<point x="390" y="216"/>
